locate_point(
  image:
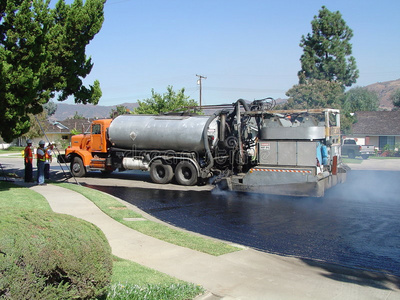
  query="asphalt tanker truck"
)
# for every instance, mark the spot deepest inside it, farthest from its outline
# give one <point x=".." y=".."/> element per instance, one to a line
<point x="245" y="147"/>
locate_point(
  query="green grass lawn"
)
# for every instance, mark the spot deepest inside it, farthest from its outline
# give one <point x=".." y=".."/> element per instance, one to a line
<point x="13" y="152"/>
<point x="136" y="282"/>
<point x="12" y="149"/>
<point x="20" y="197"/>
<point x="383" y="157"/>
<point x="358" y="160"/>
<point x="351" y="160"/>
<point x="133" y="281"/>
<point x="129" y="280"/>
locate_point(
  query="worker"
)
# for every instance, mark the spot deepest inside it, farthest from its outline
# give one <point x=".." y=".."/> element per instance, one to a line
<point x="40" y="162"/>
<point x="48" y="155"/>
<point x="28" y="159"/>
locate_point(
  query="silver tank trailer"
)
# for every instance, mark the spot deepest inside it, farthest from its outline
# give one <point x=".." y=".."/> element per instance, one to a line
<point x="146" y="132"/>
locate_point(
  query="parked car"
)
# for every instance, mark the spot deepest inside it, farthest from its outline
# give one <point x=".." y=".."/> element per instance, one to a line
<point x="351" y="149"/>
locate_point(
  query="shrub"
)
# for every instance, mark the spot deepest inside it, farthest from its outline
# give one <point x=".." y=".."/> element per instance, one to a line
<point x="44" y="255"/>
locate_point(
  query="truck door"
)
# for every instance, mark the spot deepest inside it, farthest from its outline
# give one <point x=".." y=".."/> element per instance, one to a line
<point x="97" y="137"/>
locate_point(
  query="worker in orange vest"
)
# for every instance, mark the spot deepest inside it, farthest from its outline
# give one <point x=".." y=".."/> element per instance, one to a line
<point x="48" y="157"/>
<point x="28" y="159"/>
<point x="40" y="153"/>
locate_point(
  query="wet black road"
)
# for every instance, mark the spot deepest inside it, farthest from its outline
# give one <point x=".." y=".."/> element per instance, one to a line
<point x="356" y="224"/>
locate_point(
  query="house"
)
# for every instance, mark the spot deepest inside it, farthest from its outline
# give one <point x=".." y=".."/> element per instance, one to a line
<point x="61" y="132"/>
<point x="378" y="128"/>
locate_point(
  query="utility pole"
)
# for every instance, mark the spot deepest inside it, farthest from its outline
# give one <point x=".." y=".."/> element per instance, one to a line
<point x="199" y="83"/>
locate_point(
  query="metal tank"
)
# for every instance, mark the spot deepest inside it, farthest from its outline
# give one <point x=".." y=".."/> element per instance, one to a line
<point x="146" y="132"/>
<point x="279" y="128"/>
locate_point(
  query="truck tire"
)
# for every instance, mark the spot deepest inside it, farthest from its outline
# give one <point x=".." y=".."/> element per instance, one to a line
<point x="351" y="154"/>
<point x="186" y="173"/>
<point x="365" y="156"/>
<point x="161" y="173"/>
<point x="77" y="167"/>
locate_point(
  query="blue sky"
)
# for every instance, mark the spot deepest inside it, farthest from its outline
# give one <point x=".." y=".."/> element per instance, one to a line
<point x="246" y="49"/>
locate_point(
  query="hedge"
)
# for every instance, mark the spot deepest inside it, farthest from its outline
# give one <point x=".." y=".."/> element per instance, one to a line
<point x="44" y="255"/>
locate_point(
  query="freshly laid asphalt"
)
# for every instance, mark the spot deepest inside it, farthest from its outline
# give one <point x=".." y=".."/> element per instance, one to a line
<point x="246" y="274"/>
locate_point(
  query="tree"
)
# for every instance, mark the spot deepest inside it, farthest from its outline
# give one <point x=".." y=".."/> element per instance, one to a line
<point x="50" y="108"/>
<point x="395" y="98"/>
<point x="169" y="101"/>
<point x="119" y="110"/>
<point x="315" y="94"/>
<point x="346" y="121"/>
<point x="75" y="131"/>
<point x="37" y="122"/>
<point x="77" y="116"/>
<point x="360" y="99"/>
<point x="327" y="50"/>
<point x="42" y="53"/>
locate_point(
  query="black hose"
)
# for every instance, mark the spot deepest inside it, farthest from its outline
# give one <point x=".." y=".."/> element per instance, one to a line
<point x="235" y="108"/>
<point x="243" y="102"/>
<point x="210" y="158"/>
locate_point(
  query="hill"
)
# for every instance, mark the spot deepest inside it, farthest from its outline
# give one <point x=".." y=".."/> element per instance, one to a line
<point x="65" y="111"/>
<point x="384" y="90"/>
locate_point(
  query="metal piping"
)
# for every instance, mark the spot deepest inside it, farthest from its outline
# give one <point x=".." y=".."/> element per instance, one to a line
<point x="239" y="128"/>
<point x="222" y="126"/>
<point x="205" y="136"/>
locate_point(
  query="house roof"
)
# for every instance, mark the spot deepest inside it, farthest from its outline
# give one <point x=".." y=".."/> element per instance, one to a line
<point x="67" y="125"/>
<point x="377" y="123"/>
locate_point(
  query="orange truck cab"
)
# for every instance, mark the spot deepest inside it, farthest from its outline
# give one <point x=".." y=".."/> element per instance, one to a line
<point x="90" y="151"/>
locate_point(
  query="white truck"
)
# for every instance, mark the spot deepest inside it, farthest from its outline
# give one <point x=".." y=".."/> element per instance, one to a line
<point x="352" y="149"/>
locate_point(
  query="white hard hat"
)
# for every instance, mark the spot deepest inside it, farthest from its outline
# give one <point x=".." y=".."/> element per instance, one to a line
<point x="29" y="141"/>
<point x="41" y="142"/>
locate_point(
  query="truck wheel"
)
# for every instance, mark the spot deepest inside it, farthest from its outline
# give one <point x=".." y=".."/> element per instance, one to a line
<point x="161" y="173"/>
<point x="186" y="173"/>
<point x="77" y="167"/>
<point x="351" y="154"/>
<point x="365" y="156"/>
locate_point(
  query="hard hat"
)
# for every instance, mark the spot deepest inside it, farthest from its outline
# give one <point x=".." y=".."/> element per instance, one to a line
<point x="41" y="142"/>
<point x="29" y="141"/>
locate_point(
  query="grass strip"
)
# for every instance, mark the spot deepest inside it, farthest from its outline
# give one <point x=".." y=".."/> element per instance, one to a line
<point x="347" y="160"/>
<point x="384" y="157"/>
<point x="352" y="160"/>
<point x="129" y="272"/>
<point x="119" y="212"/>
<point x="154" y="292"/>
<point x="133" y="281"/>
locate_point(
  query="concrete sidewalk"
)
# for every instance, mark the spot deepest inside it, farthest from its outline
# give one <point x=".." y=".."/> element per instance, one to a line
<point x="246" y="274"/>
